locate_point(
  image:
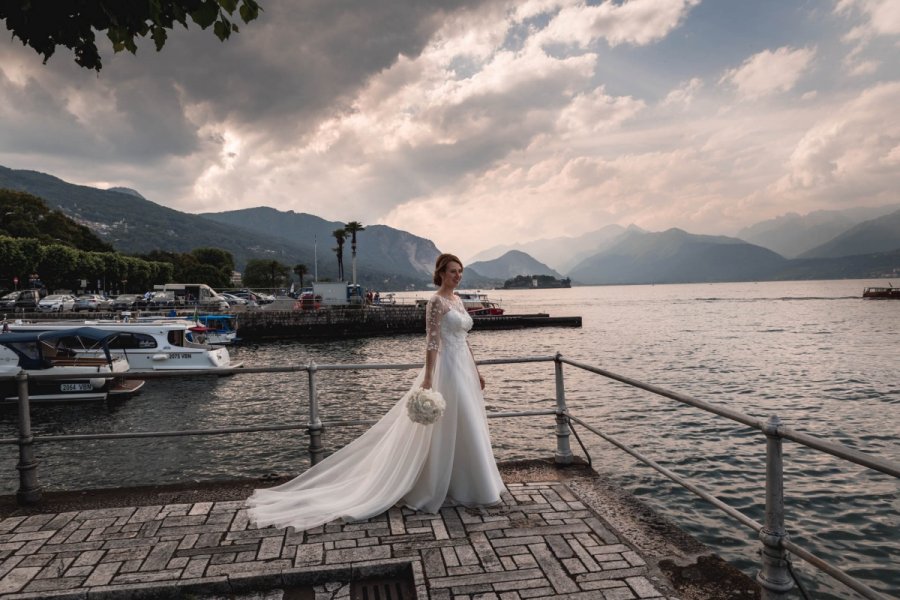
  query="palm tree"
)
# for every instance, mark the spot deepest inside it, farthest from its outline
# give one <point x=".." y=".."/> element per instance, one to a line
<point x="340" y="235"/>
<point x="353" y="227"/>
<point x="300" y="270"/>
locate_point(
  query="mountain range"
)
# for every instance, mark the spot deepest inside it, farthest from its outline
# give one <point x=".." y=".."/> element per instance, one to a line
<point x="793" y="235"/>
<point x="861" y="242"/>
<point x="560" y="253"/>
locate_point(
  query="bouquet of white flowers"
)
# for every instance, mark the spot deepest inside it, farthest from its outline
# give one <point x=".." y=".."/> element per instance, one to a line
<point x="425" y="406"/>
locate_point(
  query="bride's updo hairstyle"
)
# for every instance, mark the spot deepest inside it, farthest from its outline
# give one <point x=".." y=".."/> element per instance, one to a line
<point x="440" y="265"/>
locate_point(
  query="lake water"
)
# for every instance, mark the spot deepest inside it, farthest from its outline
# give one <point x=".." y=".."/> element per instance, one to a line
<point x="813" y="352"/>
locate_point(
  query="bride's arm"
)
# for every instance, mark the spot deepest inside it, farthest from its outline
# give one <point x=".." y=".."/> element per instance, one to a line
<point x="434" y="312"/>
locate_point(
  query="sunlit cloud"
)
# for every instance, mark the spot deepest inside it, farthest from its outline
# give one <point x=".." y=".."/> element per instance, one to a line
<point x="770" y="72"/>
<point x="475" y="123"/>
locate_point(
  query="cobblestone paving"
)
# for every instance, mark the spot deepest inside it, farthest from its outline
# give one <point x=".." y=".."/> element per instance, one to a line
<point x="542" y="542"/>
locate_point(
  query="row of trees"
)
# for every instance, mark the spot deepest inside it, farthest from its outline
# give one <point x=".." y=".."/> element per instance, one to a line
<point x="271" y="274"/>
<point x="63" y="267"/>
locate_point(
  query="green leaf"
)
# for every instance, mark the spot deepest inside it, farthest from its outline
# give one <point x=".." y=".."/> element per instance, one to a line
<point x="249" y="10"/>
<point x="222" y="30"/>
<point x="228" y="5"/>
<point x="206" y="15"/>
<point x="159" y="37"/>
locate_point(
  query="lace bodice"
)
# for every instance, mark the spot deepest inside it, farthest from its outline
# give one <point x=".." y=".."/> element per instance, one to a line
<point x="446" y="321"/>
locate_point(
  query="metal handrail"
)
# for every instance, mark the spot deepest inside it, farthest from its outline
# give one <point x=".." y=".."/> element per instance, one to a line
<point x="773" y="577"/>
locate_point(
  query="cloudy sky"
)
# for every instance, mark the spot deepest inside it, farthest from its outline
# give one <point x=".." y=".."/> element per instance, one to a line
<point x="475" y="123"/>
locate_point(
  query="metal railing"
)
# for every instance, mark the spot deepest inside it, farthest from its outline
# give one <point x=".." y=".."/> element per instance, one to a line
<point x="775" y="576"/>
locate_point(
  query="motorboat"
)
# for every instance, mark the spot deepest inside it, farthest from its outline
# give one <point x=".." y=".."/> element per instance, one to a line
<point x="89" y="376"/>
<point x="149" y="347"/>
<point x="215" y="330"/>
<point x="475" y="303"/>
<point x="478" y="305"/>
<point x="220" y="330"/>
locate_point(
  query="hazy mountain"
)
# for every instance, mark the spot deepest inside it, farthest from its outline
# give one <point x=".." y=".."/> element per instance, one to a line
<point x="860" y="266"/>
<point x="379" y="248"/>
<point x="881" y="234"/>
<point x="560" y="253"/>
<point x="793" y="234"/>
<point x="677" y="256"/>
<point x="134" y="225"/>
<point x="511" y="264"/>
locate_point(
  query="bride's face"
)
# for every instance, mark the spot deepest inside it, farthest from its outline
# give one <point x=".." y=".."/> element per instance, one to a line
<point x="452" y="274"/>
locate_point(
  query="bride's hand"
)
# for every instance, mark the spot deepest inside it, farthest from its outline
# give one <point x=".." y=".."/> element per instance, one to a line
<point x="426" y="383"/>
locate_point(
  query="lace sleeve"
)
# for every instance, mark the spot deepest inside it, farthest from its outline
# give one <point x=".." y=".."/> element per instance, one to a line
<point x="434" y="312"/>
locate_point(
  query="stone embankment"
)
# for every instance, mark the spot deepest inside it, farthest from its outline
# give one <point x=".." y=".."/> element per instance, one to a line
<point x="559" y="533"/>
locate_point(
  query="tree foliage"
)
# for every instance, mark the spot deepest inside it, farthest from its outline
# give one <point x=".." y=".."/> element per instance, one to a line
<point x="300" y="270"/>
<point x="44" y="25"/>
<point x="340" y="236"/>
<point x="261" y="273"/>
<point x="25" y="216"/>
<point x="62" y="267"/>
<point x="212" y="266"/>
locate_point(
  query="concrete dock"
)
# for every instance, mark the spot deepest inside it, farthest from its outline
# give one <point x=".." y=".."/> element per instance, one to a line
<point x="559" y="533"/>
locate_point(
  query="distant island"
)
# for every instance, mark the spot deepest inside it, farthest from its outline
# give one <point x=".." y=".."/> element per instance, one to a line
<point x="533" y="282"/>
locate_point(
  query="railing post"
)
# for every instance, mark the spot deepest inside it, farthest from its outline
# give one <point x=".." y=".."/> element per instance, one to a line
<point x="29" y="489"/>
<point x="315" y="424"/>
<point x="563" y="451"/>
<point x="774" y="576"/>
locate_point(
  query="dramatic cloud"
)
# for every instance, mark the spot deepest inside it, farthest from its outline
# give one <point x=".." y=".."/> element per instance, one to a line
<point x="476" y="123"/>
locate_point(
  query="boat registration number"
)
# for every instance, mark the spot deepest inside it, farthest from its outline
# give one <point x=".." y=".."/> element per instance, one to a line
<point x="75" y="387"/>
<point x="180" y="355"/>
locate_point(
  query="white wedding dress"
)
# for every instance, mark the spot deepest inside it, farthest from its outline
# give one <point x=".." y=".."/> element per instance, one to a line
<point x="397" y="460"/>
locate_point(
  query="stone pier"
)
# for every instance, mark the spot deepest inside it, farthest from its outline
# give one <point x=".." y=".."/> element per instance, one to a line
<point x="557" y="534"/>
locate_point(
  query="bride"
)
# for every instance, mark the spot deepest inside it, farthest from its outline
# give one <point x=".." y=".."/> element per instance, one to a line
<point x="398" y="460"/>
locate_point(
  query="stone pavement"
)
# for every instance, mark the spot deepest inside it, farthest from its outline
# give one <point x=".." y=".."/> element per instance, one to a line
<point x="543" y="542"/>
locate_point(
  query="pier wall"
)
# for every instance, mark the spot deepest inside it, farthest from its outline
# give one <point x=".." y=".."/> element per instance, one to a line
<point x="340" y="322"/>
<point x="336" y="322"/>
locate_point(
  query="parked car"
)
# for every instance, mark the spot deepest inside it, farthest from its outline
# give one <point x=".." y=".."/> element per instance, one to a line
<point x="233" y="300"/>
<point x="248" y="296"/>
<point x="57" y="303"/>
<point x="92" y="302"/>
<point x="21" y="300"/>
<point x="126" y="301"/>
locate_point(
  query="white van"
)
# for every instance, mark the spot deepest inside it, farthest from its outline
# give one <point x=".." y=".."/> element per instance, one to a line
<point x="197" y="295"/>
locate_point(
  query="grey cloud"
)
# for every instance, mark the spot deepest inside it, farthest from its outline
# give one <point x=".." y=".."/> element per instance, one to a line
<point x="299" y="61"/>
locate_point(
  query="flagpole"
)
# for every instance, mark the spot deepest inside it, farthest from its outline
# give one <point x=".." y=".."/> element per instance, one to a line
<point x="316" y="256"/>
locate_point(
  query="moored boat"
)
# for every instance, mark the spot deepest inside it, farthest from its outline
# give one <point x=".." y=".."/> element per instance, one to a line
<point x="89" y="377"/>
<point x="150" y="347"/>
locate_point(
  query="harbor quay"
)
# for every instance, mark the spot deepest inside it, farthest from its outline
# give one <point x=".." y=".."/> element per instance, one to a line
<point x="335" y="322"/>
<point x="560" y="532"/>
<point x="348" y="321"/>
